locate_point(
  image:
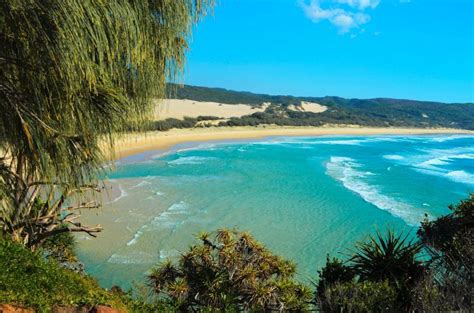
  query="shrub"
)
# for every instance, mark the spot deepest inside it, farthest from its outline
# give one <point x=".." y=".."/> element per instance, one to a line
<point x="27" y="279"/>
<point x="333" y="272"/>
<point x="360" y="297"/>
<point x="450" y="242"/>
<point x="230" y="272"/>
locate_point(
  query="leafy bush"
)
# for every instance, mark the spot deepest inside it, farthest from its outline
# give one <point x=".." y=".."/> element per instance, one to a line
<point x="388" y="259"/>
<point x="60" y="247"/>
<point x="333" y="272"/>
<point x="230" y="272"/>
<point x="450" y="242"/>
<point x="170" y="123"/>
<point x="360" y="297"/>
<point x="207" y="118"/>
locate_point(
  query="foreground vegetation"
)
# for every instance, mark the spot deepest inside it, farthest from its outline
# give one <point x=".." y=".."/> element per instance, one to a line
<point x="231" y="271"/>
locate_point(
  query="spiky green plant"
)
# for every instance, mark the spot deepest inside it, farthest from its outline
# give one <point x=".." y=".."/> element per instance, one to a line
<point x="392" y="258"/>
<point x="73" y="73"/>
<point x="387" y="257"/>
<point x="230" y="271"/>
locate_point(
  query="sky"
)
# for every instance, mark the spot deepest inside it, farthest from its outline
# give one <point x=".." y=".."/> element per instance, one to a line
<point x="409" y="49"/>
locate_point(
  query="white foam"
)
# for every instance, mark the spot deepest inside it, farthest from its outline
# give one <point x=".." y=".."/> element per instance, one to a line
<point x="164" y="254"/>
<point x="143" y="183"/>
<point x="435" y="163"/>
<point x="137" y="235"/>
<point x="393" y="157"/>
<point x="122" y="195"/>
<point x="463" y="156"/>
<point x="136" y="257"/>
<point x="190" y="160"/>
<point x="448" y="138"/>
<point x="344" y="170"/>
<point x="350" y="142"/>
<point x="180" y="206"/>
<point x="172" y="217"/>
<point x="135" y="238"/>
<point x="461" y="177"/>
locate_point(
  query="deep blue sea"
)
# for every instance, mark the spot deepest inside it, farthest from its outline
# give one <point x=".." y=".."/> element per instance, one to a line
<point x="302" y="197"/>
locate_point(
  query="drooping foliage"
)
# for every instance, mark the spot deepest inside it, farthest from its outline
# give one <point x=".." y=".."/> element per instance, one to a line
<point x="230" y="271"/>
<point x="72" y="74"/>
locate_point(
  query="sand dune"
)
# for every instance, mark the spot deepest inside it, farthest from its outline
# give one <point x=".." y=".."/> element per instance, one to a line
<point x="309" y="107"/>
<point x="176" y="108"/>
<point x="180" y="108"/>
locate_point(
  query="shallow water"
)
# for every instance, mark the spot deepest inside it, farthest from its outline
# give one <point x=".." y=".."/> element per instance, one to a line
<point x="302" y="197"/>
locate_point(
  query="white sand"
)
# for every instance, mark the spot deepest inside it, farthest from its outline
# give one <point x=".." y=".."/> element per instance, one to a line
<point x="309" y="107"/>
<point x="176" y="108"/>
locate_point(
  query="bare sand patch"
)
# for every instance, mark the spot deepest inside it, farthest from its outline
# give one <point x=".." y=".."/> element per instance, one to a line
<point x="309" y="107"/>
<point x="177" y="108"/>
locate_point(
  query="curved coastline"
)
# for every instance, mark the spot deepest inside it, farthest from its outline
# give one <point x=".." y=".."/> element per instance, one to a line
<point x="131" y="144"/>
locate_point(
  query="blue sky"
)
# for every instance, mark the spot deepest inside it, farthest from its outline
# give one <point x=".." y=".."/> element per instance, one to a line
<point x="411" y="49"/>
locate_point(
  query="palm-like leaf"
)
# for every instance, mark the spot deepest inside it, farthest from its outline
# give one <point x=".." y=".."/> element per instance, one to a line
<point x="387" y="256"/>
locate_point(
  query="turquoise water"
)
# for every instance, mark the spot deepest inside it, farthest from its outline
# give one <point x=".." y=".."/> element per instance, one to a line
<point x="302" y="197"/>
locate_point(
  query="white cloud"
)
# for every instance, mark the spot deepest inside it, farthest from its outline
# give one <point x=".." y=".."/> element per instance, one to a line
<point x="361" y="4"/>
<point x="344" y="20"/>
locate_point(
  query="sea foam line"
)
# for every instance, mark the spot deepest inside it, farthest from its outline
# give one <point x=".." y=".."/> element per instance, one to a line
<point x="165" y="219"/>
<point x="345" y="170"/>
<point x="122" y="195"/>
<point x="190" y="160"/>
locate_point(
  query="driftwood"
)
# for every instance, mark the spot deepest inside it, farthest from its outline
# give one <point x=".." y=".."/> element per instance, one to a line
<point x="35" y="210"/>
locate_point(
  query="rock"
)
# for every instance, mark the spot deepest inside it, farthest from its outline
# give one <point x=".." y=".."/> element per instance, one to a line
<point x="7" y="308"/>
<point x="70" y="309"/>
<point x="104" y="309"/>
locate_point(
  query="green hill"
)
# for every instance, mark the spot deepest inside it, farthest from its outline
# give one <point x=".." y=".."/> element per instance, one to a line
<point x="365" y="112"/>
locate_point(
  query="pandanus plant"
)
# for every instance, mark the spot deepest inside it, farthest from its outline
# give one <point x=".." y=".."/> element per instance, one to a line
<point x="229" y="270"/>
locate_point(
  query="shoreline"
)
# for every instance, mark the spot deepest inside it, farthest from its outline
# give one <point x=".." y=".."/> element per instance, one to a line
<point x="132" y="144"/>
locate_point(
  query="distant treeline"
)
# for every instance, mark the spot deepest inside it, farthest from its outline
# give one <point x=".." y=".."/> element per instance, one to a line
<point x="366" y="112"/>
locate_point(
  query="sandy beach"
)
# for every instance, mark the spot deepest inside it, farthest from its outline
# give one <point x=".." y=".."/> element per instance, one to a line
<point x="137" y="143"/>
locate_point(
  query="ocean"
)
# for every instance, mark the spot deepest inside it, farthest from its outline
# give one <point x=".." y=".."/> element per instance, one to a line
<point x="303" y="197"/>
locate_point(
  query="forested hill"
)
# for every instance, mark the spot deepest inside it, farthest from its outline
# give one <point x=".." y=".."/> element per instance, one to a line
<point x="368" y="112"/>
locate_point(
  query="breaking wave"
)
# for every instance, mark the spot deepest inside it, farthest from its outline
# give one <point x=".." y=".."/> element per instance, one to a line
<point x="190" y="160"/>
<point x="346" y="171"/>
